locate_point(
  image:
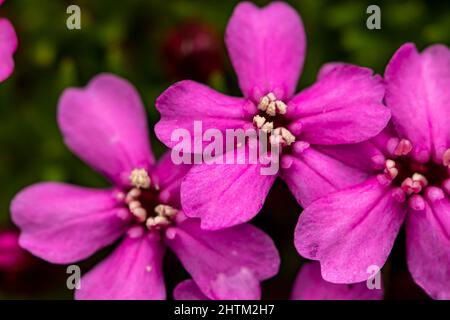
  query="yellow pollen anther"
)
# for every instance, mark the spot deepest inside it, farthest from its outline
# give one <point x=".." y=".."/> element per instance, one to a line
<point x="140" y="179"/>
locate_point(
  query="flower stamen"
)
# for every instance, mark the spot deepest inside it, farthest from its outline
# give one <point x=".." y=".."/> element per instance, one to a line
<point x="261" y="123"/>
<point x="140" y="178"/>
<point x="135" y="206"/>
<point x="415" y="184"/>
<point x="282" y="136"/>
<point x="271" y="105"/>
<point x="390" y="169"/>
<point x="164" y="217"/>
<point x="403" y="148"/>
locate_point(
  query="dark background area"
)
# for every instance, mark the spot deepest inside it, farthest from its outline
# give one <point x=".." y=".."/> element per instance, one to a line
<point x="153" y="44"/>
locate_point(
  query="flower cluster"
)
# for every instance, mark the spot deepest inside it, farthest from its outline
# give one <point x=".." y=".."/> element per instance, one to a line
<point x="361" y="153"/>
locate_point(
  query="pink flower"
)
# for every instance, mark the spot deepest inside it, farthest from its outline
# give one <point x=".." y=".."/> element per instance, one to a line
<point x="104" y="124"/>
<point x="308" y="285"/>
<point x="409" y="165"/>
<point x="267" y="49"/>
<point x="8" y="45"/>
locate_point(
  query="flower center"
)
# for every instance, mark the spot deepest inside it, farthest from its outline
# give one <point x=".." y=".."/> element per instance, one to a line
<point x="271" y="121"/>
<point x="414" y="180"/>
<point x="143" y="202"/>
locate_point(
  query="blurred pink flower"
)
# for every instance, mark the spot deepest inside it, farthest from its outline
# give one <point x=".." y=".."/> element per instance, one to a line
<point x="12" y="257"/>
<point x="267" y="47"/>
<point x="8" y="45"/>
<point x="409" y="179"/>
<point x="105" y="125"/>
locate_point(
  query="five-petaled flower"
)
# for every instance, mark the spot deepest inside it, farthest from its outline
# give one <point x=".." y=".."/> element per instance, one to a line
<point x="409" y="165"/>
<point x="105" y="125"/>
<point x="267" y="49"/>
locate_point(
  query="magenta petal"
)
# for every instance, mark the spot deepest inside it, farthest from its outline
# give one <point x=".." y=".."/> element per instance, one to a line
<point x="188" y="101"/>
<point x="356" y="155"/>
<point x="63" y="223"/>
<point x="224" y="195"/>
<point x="349" y="236"/>
<point x="132" y="272"/>
<point x="314" y="174"/>
<point x="168" y="176"/>
<point x="428" y="243"/>
<point x="188" y="290"/>
<point x="344" y="106"/>
<point x="225" y="264"/>
<point x="309" y="285"/>
<point x="328" y="68"/>
<point x="418" y="95"/>
<point x="8" y="45"/>
<point x="105" y="125"/>
<point x="267" y="48"/>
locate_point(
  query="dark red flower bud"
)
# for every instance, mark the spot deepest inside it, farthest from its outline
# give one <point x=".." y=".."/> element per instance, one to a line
<point x="192" y="51"/>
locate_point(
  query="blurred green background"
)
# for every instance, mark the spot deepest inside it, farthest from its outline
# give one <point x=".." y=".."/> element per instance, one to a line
<point x="152" y="44"/>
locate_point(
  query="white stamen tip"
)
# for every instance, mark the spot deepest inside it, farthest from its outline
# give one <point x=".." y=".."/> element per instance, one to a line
<point x="420" y="178"/>
<point x="271" y="109"/>
<point x="283" y="136"/>
<point x="411" y="186"/>
<point x="259" y="121"/>
<point x="163" y="210"/>
<point x="150" y="223"/>
<point x="263" y="104"/>
<point x="271" y="105"/>
<point x="390" y="164"/>
<point x="390" y="169"/>
<point x="139" y="213"/>
<point x="134" y="205"/>
<point x="271" y="96"/>
<point x="140" y="179"/>
<point x="160" y="220"/>
<point x="403" y="148"/>
<point x="281" y="106"/>
<point x="267" y="127"/>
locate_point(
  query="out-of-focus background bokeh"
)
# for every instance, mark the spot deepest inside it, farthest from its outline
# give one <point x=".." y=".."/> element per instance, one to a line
<point x="152" y="44"/>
